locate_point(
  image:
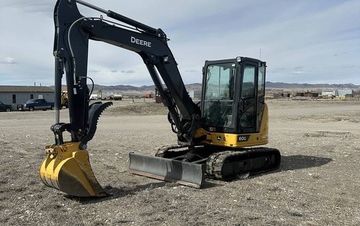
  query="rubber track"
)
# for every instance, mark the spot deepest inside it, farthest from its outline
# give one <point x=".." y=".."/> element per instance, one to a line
<point x="215" y="162"/>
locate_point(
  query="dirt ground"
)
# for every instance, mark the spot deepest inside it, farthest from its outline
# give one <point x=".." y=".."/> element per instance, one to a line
<point x="318" y="182"/>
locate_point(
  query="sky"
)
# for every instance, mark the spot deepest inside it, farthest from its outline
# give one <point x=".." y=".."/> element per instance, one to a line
<point x="308" y="41"/>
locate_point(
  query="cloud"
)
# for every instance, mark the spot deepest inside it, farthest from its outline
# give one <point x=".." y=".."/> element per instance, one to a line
<point x="302" y="41"/>
<point x="7" y="60"/>
<point x="192" y="70"/>
<point x="94" y="71"/>
<point x="298" y="70"/>
<point x="277" y="69"/>
<point x="128" y="71"/>
<point x="138" y="75"/>
<point x="34" y="6"/>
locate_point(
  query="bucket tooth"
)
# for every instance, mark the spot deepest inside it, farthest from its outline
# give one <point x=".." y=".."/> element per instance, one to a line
<point x="186" y="173"/>
<point x="67" y="168"/>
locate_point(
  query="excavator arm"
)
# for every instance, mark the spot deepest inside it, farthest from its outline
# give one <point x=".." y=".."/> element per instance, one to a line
<point x="66" y="166"/>
<point x="73" y="32"/>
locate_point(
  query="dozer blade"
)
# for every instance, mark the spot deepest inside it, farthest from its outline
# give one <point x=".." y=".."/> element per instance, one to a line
<point x="67" y="168"/>
<point x="186" y="173"/>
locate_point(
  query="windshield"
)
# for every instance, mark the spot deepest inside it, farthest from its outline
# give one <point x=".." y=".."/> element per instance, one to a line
<point x="219" y="95"/>
<point x="30" y="101"/>
<point x="220" y="82"/>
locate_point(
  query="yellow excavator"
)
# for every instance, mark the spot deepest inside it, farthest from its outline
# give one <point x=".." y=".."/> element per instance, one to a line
<point x="218" y="138"/>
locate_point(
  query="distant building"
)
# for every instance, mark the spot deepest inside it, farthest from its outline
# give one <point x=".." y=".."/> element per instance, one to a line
<point x="356" y="93"/>
<point x="15" y="95"/>
<point x="342" y="93"/>
<point x="285" y="94"/>
<point x="309" y="94"/>
<point x="195" y="94"/>
<point x="329" y="94"/>
<point x="149" y="95"/>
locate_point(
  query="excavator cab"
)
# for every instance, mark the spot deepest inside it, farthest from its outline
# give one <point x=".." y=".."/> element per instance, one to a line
<point x="233" y="95"/>
<point x="233" y="106"/>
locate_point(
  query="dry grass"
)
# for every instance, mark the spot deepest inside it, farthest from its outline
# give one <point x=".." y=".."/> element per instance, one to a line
<point x="139" y="108"/>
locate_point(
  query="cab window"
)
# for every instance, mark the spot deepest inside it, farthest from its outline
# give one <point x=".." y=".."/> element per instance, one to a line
<point x="219" y="95"/>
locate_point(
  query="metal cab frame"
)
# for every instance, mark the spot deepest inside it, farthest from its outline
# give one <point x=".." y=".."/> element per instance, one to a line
<point x="238" y="101"/>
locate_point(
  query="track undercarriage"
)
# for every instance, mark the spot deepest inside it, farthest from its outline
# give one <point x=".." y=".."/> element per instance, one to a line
<point x="191" y="165"/>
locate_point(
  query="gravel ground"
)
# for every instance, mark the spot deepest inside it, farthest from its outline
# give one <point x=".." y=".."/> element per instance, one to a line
<point x="318" y="182"/>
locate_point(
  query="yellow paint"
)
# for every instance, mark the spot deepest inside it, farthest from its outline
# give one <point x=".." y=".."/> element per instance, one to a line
<point x="231" y="140"/>
<point x="69" y="160"/>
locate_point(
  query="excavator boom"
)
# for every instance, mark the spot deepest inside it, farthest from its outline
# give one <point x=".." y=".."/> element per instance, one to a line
<point x="72" y="34"/>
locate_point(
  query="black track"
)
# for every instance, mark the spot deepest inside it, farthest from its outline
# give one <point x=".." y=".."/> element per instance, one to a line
<point x="226" y="164"/>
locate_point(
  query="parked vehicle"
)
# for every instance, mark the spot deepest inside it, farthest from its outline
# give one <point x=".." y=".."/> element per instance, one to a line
<point x="36" y="104"/>
<point x="116" y="97"/>
<point x="5" y="107"/>
<point x="95" y="97"/>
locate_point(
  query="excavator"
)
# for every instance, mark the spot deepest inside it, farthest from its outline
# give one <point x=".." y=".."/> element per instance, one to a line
<point x="221" y="137"/>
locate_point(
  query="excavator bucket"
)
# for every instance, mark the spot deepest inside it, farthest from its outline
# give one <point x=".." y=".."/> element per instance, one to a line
<point x="186" y="173"/>
<point x="67" y="168"/>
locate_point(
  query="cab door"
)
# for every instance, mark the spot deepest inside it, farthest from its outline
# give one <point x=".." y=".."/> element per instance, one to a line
<point x="248" y="102"/>
<point x="218" y="96"/>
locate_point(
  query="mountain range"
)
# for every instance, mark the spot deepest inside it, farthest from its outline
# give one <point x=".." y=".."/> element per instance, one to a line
<point x="197" y="87"/>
